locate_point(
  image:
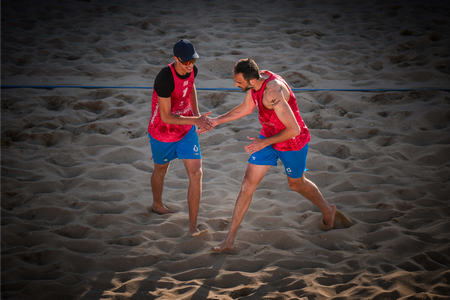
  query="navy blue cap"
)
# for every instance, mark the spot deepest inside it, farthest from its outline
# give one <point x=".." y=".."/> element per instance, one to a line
<point x="184" y="50"/>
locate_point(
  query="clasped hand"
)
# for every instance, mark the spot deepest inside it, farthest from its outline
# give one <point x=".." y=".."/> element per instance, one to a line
<point x="205" y="123"/>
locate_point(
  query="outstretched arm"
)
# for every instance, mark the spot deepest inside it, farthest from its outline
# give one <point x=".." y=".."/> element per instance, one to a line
<point x="242" y="110"/>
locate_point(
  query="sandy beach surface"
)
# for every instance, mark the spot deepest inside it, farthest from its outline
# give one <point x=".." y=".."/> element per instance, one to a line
<point x="76" y="163"/>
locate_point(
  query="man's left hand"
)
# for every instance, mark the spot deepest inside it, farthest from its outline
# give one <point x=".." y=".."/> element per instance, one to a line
<point x="255" y="146"/>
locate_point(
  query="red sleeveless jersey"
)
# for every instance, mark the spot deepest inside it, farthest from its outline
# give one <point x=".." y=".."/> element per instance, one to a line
<point x="180" y="100"/>
<point x="271" y="125"/>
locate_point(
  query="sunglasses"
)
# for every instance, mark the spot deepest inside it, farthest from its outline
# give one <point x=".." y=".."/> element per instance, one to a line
<point x="186" y="63"/>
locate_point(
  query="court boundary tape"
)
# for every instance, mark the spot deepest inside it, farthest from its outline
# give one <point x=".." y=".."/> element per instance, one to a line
<point x="379" y="90"/>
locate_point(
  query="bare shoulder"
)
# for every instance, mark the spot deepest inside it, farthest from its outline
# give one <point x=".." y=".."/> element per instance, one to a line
<point x="276" y="87"/>
<point x="274" y="93"/>
<point x="273" y="86"/>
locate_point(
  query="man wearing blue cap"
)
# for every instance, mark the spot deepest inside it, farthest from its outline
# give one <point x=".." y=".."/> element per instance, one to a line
<point x="172" y="128"/>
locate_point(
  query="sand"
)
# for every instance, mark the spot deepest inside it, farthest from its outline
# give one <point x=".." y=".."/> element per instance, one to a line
<point x="76" y="163"/>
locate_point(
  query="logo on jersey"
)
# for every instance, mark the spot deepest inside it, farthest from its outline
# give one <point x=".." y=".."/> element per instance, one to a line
<point x="195" y="148"/>
<point x="185" y="83"/>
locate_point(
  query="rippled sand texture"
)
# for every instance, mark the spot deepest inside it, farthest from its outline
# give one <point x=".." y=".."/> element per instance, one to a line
<point x="76" y="163"/>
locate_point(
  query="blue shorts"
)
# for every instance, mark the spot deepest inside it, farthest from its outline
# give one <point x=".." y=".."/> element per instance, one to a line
<point x="294" y="161"/>
<point x="186" y="148"/>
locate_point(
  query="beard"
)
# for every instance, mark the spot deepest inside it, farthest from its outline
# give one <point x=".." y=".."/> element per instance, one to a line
<point x="246" y="88"/>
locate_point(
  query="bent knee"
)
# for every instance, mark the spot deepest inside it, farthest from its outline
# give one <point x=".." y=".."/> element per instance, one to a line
<point x="248" y="187"/>
<point x="296" y="183"/>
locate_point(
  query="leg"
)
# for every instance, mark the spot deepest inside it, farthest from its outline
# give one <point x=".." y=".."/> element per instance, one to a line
<point x="157" y="182"/>
<point x="310" y="191"/>
<point x="194" y="171"/>
<point x="252" y="178"/>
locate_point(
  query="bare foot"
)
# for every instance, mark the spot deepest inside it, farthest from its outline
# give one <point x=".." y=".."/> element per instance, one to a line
<point x="328" y="219"/>
<point x="197" y="232"/>
<point x="160" y="209"/>
<point x="341" y="220"/>
<point x="224" y="247"/>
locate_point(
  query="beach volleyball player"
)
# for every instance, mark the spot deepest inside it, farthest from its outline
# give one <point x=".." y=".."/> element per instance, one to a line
<point x="172" y="129"/>
<point x="283" y="136"/>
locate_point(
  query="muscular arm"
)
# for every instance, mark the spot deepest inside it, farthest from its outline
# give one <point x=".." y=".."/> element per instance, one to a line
<point x="242" y="110"/>
<point x="276" y="97"/>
